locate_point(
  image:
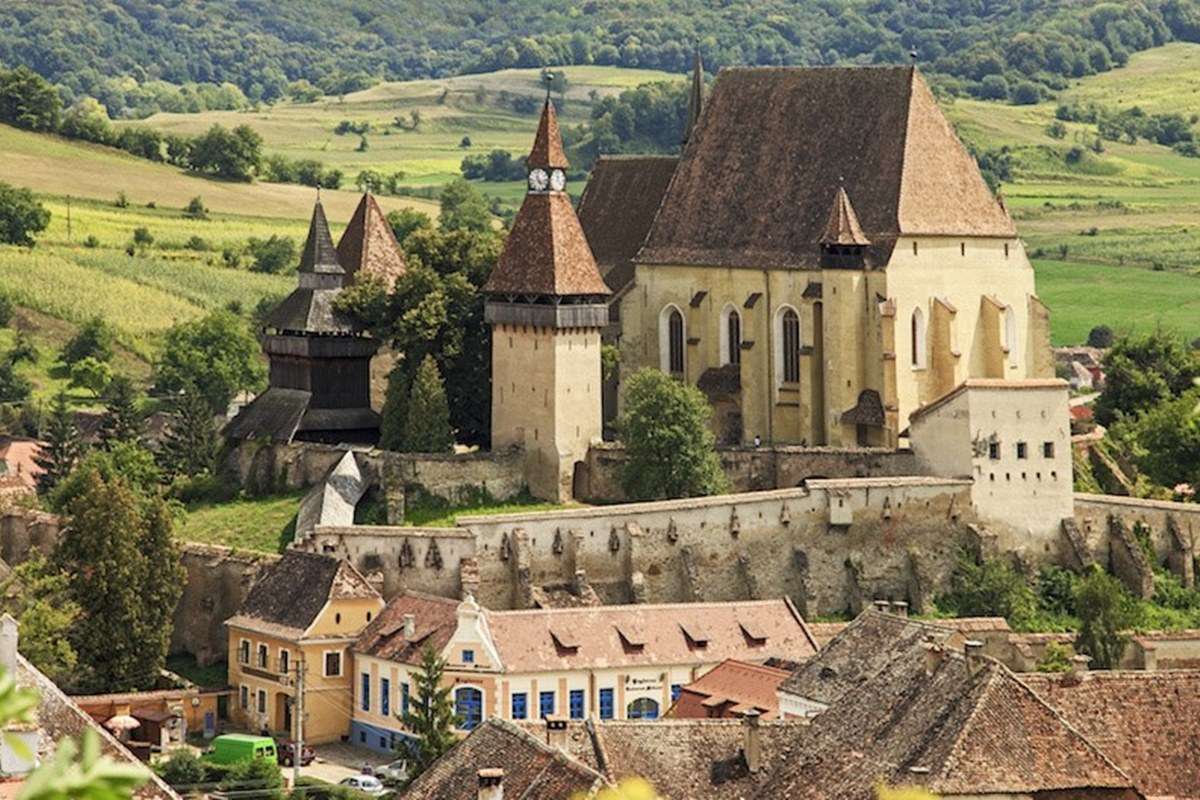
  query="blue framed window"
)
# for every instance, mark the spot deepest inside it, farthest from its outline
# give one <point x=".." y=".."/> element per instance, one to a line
<point x="468" y="656"/>
<point x="404" y="699"/>
<point x="366" y="692"/>
<point x="606" y="704"/>
<point x="383" y="742"/>
<point x="576" y="703"/>
<point x="545" y="704"/>
<point x="642" y="708"/>
<point x="385" y="696"/>
<point x="468" y="705"/>
<point x="675" y="690"/>
<point x="520" y="705"/>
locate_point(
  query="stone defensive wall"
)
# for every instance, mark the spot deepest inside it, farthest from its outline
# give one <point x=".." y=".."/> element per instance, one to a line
<point x="218" y="579"/>
<point x="831" y="546"/>
<point x="1110" y="530"/>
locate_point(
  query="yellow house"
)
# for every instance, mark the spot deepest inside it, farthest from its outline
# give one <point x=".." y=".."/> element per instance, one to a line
<point x="602" y="662"/>
<point x="295" y="628"/>
<point x="824" y="259"/>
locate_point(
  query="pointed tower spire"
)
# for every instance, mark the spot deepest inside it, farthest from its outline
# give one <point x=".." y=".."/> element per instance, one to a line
<point x="320" y="256"/>
<point x="547" y="152"/>
<point x="368" y="246"/>
<point x="695" y="96"/>
<point x="843" y="227"/>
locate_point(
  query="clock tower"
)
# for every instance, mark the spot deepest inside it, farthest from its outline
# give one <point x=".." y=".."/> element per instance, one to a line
<point x="546" y="305"/>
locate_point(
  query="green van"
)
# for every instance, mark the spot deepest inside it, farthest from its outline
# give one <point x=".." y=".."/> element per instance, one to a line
<point x="231" y="748"/>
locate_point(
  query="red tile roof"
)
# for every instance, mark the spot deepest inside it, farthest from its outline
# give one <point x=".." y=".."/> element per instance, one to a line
<point x="733" y="687"/>
<point x="547" y="152"/>
<point x="368" y="246"/>
<point x="843" y="226"/>
<point x="434" y="620"/>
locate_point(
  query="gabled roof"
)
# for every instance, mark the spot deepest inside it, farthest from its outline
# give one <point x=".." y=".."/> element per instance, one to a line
<point x="618" y="205"/>
<point x="949" y="728"/>
<point x="319" y="256"/>
<point x="434" y="620"/>
<point x="843" y="227"/>
<point x="752" y="188"/>
<point x="739" y="684"/>
<point x="866" y="646"/>
<point x="291" y="592"/>
<point x="648" y="634"/>
<point x="368" y="246"/>
<point x="547" y="152"/>
<point x="546" y="252"/>
<point x="1018" y="384"/>
<point x="273" y="416"/>
<point x="1147" y="722"/>
<point x="532" y="769"/>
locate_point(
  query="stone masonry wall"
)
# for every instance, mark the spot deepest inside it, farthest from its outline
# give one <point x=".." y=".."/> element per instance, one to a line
<point x="752" y="469"/>
<point x="1174" y="530"/>
<point x="218" y="579"/>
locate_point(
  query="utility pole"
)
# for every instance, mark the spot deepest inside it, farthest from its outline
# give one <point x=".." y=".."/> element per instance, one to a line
<point x="68" y="218"/>
<point x="298" y="707"/>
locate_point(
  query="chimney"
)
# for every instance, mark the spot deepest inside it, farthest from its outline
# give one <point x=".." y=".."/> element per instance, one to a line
<point x="1079" y="664"/>
<point x="973" y="650"/>
<point x="881" y="606"/>
<point x="752" y="741"/>
<point x="900" y="608"/>
<point x="556" y="732"/>
<point x="410" y="626"/>
<point x="933" y="655"/>
<point x="491" y="784"/>
<point x="8" y="644"/>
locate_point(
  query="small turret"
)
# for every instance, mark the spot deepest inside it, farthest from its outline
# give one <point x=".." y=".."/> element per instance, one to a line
<point x="843" y="243"/>
<point x="695" y="96"/>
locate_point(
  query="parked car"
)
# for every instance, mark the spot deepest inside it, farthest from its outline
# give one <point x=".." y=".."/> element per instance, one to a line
<point x="287" y="753"/>
<point x="233" y="748"/>
<point x="393" y="772"/>
<point x="367" y="784"/>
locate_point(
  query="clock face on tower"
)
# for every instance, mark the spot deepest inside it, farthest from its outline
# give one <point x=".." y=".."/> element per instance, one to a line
<point x="558" y="180"/>
<point x="538" y="180"/>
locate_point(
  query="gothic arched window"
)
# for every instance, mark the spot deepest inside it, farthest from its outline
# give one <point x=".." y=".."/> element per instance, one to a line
<point x="671" y="335"/>
<point x="731" y="336"/>
<point x="1010" y="331"/>
<point x="789" y="345"/>
<point x="917" y="338"/>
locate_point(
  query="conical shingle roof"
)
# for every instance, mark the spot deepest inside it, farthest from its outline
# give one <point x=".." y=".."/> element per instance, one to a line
<point x="546" y="252"/>
<point x="547" y="152"/>
<point x="320" y="256"/>
<point x="843" y="227"/>
<point x="369" y="246"/>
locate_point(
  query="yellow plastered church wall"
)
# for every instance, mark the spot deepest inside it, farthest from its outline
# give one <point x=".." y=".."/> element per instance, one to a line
<point x="960" y="272"/>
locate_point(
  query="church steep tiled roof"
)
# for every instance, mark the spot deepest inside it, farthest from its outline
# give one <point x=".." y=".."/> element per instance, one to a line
<point x="547" y="151"/>
<point x="752" y="187"/>
<point x="369" y="246"/>
<point x="843" y="226"/>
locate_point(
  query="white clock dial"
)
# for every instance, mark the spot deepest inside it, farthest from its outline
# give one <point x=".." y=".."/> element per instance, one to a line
<point x="538" y="180"/>
<point x="558" y="180"/>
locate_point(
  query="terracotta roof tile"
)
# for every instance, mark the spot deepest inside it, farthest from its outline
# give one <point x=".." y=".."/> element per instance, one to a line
<point x="753" y="186"/>
<point x="434" y="620"/>
<point x="618" y="205"/>
<point x="843" y="227"/>
<point x="546" y="252"/>
<point x="369" y="247"/>
<point x="532" y="770"/>
<point x="1148" y="723"/>
<point x="547" y="151"/>
<point x="737" y="683"/>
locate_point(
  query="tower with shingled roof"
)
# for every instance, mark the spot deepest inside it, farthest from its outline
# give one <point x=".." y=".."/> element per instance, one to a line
<point x="320" y="360"/>
<point x="546" y="305"/>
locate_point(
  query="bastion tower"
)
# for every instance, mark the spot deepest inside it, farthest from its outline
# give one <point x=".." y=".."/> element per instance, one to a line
<point x="546" y="305"/>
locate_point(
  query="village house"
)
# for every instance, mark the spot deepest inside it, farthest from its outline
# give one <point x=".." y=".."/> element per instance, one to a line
<point x="818" y="271"/>
<point x="297" y="624"/>
<point x="606" y="662"/>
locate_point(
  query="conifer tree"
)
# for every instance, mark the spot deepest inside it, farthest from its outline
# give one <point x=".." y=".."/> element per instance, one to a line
<point x="121" y="422"/>
<point x="190" y="445"/>
<point x="161" y="586"/>
<point x="63" y="447"/>
<point x="431" y="717"/>
<point x="427" y="426"/>
<point x="395" y="405"/>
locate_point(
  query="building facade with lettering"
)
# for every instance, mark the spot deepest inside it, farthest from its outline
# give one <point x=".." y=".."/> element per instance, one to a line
<point x="606" y="662"/>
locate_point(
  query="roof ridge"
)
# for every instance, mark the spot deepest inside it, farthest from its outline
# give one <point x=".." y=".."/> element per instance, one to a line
<point x="632" y="607"/>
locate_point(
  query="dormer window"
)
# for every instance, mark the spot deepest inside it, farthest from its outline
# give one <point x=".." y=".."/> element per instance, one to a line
<point x="631" y="637"/>
<point x="697" y="636"/>
<point x="565" y="640"/>
<point x="754" y="633"/>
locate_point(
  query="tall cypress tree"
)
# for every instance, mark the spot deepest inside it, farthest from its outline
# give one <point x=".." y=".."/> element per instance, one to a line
<point x="121" y="422"/>
<point x="162" y="581"/>
<point x="427" y="426"/>
<point x="431" y="717"/>
<point x="394" y="413"/>
<point x="63" y="447"/>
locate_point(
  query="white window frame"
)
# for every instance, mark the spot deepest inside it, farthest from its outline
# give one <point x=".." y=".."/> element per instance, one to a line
<point x="284" y="653"/>
<point x="260" y="701"/>
<point x="244" y="697"/>
<point x="262" y="654"/>
<point x="918" y="331"/>
<point x="325" y="664"/>
<point x="244" y="645"/>
<point x="728" y="347"/>
<point x="664" y="338"/>
<point x="780" y="355"/>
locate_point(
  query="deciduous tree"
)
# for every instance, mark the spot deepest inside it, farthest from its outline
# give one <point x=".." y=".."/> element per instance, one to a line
<point x="38" y="596"/>
<point x="21" y="216"/>
<point x="1106" y="613"/>
<point x="216" y="355"/>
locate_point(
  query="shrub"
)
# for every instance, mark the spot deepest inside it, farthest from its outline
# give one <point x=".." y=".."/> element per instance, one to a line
<point x="1100" y="336"/>
<point x="1056" y="658"/>
<point x="182" y="768"/>
<point x="1106" y="612"/>
<point x="21" y="216"/>
<point x="91" y="241"/>
<point x="142" y="237"/>
<point x="196" y="243"/>
<point x="122" y="201"/>
<point x="6" y="310"/>
<point x="272" y="255"/>
<point x="95" y="339"/>
<point x="990" y="588"/>
<point x="195" y="209"/>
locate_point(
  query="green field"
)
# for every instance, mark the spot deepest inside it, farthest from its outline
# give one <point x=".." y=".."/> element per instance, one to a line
<point x="264" y="524"/>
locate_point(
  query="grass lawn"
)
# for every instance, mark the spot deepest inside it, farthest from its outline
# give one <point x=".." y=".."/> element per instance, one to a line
<point x="214" y="675"/>
<point x="1081" y="296"/>
<point x="264" y="524"/>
